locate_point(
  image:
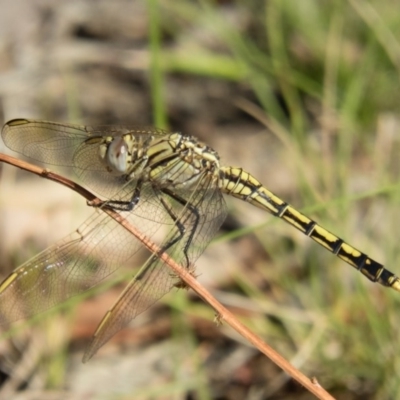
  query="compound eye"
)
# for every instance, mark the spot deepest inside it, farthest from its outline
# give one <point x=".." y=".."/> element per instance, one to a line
<point x="117" y="155"/>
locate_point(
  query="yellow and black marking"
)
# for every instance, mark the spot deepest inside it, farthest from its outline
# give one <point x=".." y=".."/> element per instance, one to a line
<point x="240" y="184"/>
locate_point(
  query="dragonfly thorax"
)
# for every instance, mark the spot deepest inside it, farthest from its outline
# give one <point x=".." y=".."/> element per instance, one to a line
<point x="181" y="161"/>
<point x="198" y="154"/>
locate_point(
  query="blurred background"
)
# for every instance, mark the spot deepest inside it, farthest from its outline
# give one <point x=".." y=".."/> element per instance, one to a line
<point x="305" y="96"/>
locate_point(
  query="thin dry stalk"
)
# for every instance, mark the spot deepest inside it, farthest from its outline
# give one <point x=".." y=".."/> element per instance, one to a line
<point x="310" y="384"/>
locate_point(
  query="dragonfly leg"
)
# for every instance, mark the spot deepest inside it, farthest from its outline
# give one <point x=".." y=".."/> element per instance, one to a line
<point x="192" y="209"/>
<point x="120" y="205"/>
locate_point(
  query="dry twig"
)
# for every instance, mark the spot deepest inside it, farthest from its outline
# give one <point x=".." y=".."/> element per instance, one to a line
<point x="223" y="314"/>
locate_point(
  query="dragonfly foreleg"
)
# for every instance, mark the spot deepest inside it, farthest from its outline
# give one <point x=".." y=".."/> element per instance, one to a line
<point x="121" y="205"/>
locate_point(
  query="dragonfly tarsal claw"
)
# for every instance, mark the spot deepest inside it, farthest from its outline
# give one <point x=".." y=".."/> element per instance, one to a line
<point x="96" y="203"/>
<point x="46" y="172"/>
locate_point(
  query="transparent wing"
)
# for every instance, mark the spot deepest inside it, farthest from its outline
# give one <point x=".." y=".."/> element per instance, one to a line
<point x="197" y="218"/>
<point x="67" y="145"/>
<point x="101" y="245"/>
<point x="184" y="201"/>
<point x="78" y="262"/>
<point x="153" y="281"/>
<point x="55" y="143"/>
<point x="48" y="142"/>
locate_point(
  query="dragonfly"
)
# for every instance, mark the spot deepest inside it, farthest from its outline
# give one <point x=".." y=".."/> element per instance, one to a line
<point x="167" y="184"/>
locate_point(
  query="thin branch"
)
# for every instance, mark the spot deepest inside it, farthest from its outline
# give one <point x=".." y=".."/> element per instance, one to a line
<point x="223" y="314"/>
